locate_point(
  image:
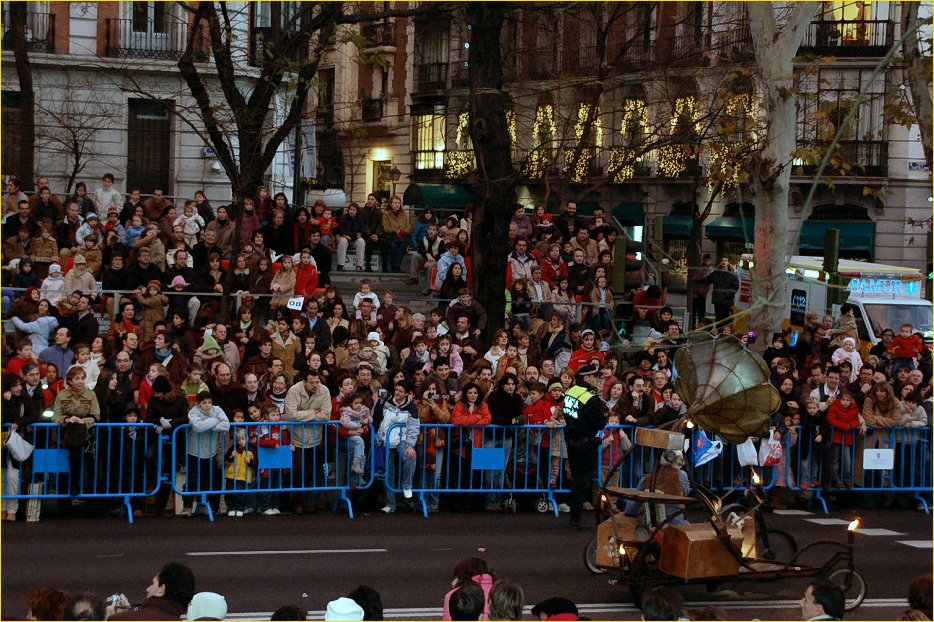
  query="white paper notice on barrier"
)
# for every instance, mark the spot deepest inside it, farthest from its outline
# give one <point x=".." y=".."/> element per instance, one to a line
<point x="296" y="303"/>
<point x="878" y="459"/>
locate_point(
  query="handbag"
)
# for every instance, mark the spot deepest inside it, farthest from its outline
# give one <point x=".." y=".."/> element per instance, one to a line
<point x="74" y="435"/>
<point x="770" y="452"/>
<point x="19" y="447"/>
<point x="746" y="453"/>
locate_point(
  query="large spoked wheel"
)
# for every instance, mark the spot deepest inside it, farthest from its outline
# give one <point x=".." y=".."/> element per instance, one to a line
<point x="643" y="572"/>
<point x="853" y="585"/>
<point x="590" y="558"/>
<point x="776" y="545"/>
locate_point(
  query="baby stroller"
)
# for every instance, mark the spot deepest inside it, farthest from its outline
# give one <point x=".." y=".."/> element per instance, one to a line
<point x="522" y="470"/>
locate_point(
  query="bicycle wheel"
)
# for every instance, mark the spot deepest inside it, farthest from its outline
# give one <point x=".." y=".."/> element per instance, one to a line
<point x="590" y="558"/>
<point x="732" y="511"/>
<point x="853" y="585"/>
<point x="776" y="545"/>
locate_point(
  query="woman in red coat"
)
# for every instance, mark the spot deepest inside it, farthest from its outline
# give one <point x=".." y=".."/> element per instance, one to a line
<point x="843" y="417"/>
<point x="470" y="410"/>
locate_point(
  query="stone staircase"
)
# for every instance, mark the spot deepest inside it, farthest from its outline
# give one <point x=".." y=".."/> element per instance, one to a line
<point x="347" y="283"/>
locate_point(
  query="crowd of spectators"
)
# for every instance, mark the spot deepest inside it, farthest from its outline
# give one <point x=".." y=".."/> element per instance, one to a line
<point x="289" y="347"/>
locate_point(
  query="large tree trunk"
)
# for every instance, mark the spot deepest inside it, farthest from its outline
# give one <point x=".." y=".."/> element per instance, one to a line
<point x="918" y="71"/>
<point x="490" y="135"/>
<point x="27" y="105"/>
<point x="771" y="173"/>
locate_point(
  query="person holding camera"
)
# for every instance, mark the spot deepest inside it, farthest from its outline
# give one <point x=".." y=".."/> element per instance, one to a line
<point x="167" y="597"/>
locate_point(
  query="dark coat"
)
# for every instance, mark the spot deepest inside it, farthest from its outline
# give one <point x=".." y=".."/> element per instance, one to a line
<point x="155" y="608"/>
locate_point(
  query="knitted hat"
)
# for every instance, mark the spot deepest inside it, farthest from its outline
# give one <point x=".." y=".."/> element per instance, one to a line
<point x="850" y="340"/>
<point x="112" y="210"/>
<point x="80" y="259"/>
<point x="209" y="343"/>
<point x="91" y="215"/>
<point x="25" y="260"/>
<point x="179" y="280"/>
<point x="155" y="283"/>
<point x="555" y="385"/>
<point x="55" y="268"/>
<point x="343" y="609"/>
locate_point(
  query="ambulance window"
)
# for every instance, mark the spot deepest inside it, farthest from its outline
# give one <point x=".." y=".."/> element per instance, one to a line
<point x="861" y="330"/>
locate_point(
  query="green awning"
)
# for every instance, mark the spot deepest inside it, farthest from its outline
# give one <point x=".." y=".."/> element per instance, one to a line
<point x="854" y="236"/>
<point x="586" y="208"/>
<point x="448" y="196"/>
<point x="677" y="226"/>
<point x="630" y="214"/>
<point x="731" y="228"/>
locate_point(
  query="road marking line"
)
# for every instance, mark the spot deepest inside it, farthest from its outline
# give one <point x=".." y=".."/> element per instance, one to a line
<point x="409" y="613"/>
<point x="292" y="552"/>
<point x="918" y="544"/>
<point x="877" y="531"/>
<point x="793" y="512"/>
<point x="828" y="521"/>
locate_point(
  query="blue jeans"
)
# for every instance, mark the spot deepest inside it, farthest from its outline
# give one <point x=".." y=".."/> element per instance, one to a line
<point x="357" y="451"/>
<point x="431" y="480"/>
<point x="267" y="498"/>
<point x="235" y="501"/>
<point x="397" y="250"/>
<point x="408" y="473"/>
<point x="494" y="479"/>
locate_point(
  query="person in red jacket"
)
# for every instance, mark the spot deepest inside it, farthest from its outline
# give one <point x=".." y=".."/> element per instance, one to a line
<point x="272" y="436"/>
<point x="843" y="417"/>
<point x="585" y="352"/>
<point x="905" y="349"/>
<point x="306" y="279"/>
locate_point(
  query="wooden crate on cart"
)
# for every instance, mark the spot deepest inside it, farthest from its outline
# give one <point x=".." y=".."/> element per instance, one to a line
<point x="696" y="552"/>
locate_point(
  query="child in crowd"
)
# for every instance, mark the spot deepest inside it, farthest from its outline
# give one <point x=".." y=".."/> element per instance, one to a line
<point x="615" y="441"/>
<point x="365" y="291"/>
<point x="843" y="417"/>
<point x="135" y="230"/>
<point x="327" y="224"/>
<point x="193" y="385"/>
<point x="848" y="353"/>
<point x="356" y="418"/>
<point x="134" y="459"/>
<point x="192" y="223"/>
<point x="272" y="436"/>
<point x="905" y="348"/>
<point x="239" y="472"/>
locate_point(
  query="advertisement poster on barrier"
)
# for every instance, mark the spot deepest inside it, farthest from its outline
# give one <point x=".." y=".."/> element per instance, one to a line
<point x="878" y="459"/>
<point x="296" y="303"/>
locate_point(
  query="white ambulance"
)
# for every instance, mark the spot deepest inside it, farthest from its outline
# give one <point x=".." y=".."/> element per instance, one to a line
<point x="884" y="296"/>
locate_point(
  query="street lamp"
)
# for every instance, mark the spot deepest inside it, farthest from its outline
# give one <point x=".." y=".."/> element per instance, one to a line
<point x="395" y="175"/>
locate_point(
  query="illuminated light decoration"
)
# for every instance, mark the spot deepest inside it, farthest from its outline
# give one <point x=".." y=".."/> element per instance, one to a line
<point x="726" y="157"/>
<point x="511" y="125"/>
<point x="621" y="166"/>
<point x="585" y="155"/>
<point x="673" y="159"/>
<point x="544" y="134"/>
<point x="460" y="162"/>
<point x="882" y="287"/>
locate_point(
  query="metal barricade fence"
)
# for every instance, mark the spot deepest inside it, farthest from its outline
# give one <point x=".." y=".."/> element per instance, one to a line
<point x="882" y="461"/>
<point x="312" y="459"/>
<point x="113" y="461"/>
<point x="494" y="460"/>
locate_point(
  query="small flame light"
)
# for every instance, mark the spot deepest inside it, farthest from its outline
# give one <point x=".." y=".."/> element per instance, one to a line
<point x="622" y="550"/>
<point x="689" y="424"/>
<point x="603" y="499"/>
<point x="756" y="480"/>
<point x="854" y="525"/>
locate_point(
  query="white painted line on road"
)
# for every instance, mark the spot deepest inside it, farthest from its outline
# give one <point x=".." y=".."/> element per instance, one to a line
<point x="828" y="521"/>
<point x="412" y="613"/>
<point x="792" y="512"/>
<point x="877" y="531"/>
<point x="290" y="552"/>
<point x="109" y="555"/>
<point x="918" y="544"/>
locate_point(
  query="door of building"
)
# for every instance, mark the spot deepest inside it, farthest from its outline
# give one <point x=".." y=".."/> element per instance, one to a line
<point x="149" y="146"/>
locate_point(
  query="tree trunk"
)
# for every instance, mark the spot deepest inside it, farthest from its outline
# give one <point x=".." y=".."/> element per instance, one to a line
<point x="771" y="173"/>
<point x="919" y="78"/>
<point x="27" y="104"/>
<point x="490" y="135"/>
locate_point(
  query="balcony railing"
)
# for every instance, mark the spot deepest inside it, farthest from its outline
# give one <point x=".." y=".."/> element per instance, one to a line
<point x="865" y="157"/>
<point x="379" y="35"/>
<point x="636" y="57"/>
<point x="459" y="74"/>
<point x="540" y="63"/>
<point x="373" y="110"/>
<point x="585" y="60"/>
<point x="431" y="76"/>
<point x="849" y="38"/>
<point x="164" y="40"/>
<point x="734" y="44"/>
<point x="687" y="49"/>
<point x="258" y="46"/>
<point x="428" y="160"/>
<point x="40" y="32"/>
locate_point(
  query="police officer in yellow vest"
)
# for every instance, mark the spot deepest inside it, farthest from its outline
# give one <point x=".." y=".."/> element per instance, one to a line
<point x="585" y="415"/>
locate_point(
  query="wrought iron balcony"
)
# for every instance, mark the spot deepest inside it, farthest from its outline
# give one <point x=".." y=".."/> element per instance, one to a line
<point x="734" y="44"/>
<point x="40" y="32"/>
<point x="849" y="38"/>
<point x="636" y="56"/>
<point x="459" y="74"/>
<point x="869" y="158"/>
<point x="687" y="51"/>
<point x="540" y="63"/>
<point x="431" y="76"/>
<point x="585" y="60"/>
<point x="373" y="110"/>
<point x="379" y="34"/>
<point x="163" y="39"/>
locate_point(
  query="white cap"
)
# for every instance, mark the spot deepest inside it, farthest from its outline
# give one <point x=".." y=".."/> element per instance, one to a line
<point x="207" y="606"/>
<point x="343" y="609"/>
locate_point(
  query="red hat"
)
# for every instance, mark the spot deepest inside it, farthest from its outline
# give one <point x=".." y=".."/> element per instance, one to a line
<point x="155" y="283"/>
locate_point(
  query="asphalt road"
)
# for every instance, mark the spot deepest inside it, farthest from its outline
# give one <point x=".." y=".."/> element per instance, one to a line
<point x="260" y="563"/>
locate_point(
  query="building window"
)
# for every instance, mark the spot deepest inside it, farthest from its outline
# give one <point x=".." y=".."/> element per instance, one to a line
<point x="324" y="115"/>
<point x="432" y="54"/>
<point x="428" y="136"/>
<point x="542" y="153"/>
<point x="626" y="159"/>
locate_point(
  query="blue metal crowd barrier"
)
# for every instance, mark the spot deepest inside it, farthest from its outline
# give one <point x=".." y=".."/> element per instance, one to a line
<point x="117" y="461"/>
<point x="881" y="460"/>
<point x="494" y="460"/>
<point x="314" y="459"/>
